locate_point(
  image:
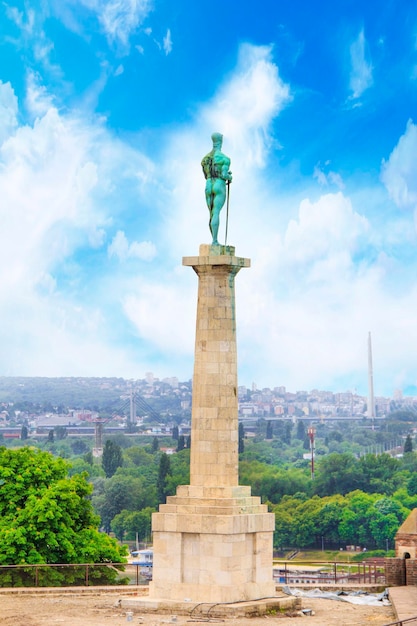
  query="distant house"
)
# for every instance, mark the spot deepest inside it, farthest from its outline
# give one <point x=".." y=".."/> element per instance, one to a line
<point x="168" y="450"/>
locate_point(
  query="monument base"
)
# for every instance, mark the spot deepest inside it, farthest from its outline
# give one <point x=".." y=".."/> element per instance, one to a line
<point x="212" y="545"/>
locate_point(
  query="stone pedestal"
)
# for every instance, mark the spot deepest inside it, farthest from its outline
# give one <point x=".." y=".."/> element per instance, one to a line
<point x="213" y="540"/>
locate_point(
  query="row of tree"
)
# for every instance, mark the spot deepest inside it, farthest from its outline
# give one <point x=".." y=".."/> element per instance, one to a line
<point x="51" y="509"/>
<point x="357" y="518"/>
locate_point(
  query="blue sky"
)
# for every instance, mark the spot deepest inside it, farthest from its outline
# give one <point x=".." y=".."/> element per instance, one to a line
<point x="106" y="109"/>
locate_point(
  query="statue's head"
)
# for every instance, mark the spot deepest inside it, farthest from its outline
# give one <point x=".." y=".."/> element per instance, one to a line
<point x="217" y="139"/>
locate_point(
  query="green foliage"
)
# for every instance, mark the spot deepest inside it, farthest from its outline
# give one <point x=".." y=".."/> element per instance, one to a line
<point x="272" y="483"/>
<point x="121" y="491"/>
<point x="357" y="518"/>
<point x="241" y="438"/>
<point x="127" y="523"/>
<point x="79" y="446"/>
<point x="163" y="473"/>
<point x="301" y="430"/>
<point x="287" y="433"/>
<point x="60" y="432"/>
<point x="46" y="517"/>
<point x="408" y="445"/>
<point x="112" y="458"/>
<point x="336" y="473"/>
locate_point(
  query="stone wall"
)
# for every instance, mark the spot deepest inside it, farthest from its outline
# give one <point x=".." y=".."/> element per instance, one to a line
<point x="395" y="572"/>
<point x="411" y="572"/>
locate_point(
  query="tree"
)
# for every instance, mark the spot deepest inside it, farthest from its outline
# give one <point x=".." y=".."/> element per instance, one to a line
<point x="51" y="436"/>
<point x="287" y="433"/>
<point x="121" y="492"/>
<point x="132" y="522"/>
<point x="337" y="473"/>
<point x="163" y="474"/>
<point x="46" y="517"/>
<point x="379" y="473"/>
<point x="175" y="432"/>
<point x="24" y="432"/>
<point x="301" y="430"/>
<point x="241" y="441"/>
<point x="269" y="430"/>
<point x="112" y="458"/>
<point x="61" y="432"/>
<point x="408" y="445"/>
<point x="181" y="443"/>
<point x="79" y="446"/>
<point x="155" y="444"/>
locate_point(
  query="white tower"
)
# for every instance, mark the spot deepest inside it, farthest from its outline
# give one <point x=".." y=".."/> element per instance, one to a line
<point x="371" y="397"/>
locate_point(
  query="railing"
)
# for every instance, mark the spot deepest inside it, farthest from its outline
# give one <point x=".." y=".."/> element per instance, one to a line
<point x="409" y="621"/>
<point x="335" y="573"/>
<point x="70" y="575"/>
<point x="94" y="574"/>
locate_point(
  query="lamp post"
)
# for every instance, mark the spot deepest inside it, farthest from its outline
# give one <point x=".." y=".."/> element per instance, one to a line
<point x="311" y="431"/>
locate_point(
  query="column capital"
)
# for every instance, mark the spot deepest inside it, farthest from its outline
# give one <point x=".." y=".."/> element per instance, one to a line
<point x="216" y="255"/>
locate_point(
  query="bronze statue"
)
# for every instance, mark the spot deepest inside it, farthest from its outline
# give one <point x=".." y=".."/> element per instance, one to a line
<point x="218" y="176"/>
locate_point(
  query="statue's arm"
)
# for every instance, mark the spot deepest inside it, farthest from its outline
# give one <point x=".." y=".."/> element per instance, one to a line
<point x="226" y="173"/>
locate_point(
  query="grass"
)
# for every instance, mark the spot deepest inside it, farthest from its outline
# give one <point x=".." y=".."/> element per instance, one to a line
<point x="323" y="555"/>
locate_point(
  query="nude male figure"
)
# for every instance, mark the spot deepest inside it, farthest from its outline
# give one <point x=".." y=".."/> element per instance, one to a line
<point x="217" y="173"/>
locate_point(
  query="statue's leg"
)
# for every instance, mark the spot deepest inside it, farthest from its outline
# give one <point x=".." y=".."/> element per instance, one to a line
<point x="210" y="201"/>
<point x="214" y="224"/>
<point x="218" y="201"/>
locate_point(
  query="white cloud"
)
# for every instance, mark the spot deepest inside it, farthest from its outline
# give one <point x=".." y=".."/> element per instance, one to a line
<point x="243" y="110"/>
<point x="329" y="178"/>
<point x="62" y="182"/>
<point x="33" y="37"/>
<point x="167" y="43"/>
<point x="361" y="67"/>
<point x="119" y="19"/>
<point x="24" y="21"/>
<point x="245" y="106"/>
<point x="8" y="110"/>
<point x="326" y="227"/>
<point x="159" y="316"/>
<point x="399" y="173"/>
<point x="38" y="100"/>
<point x="123" y="250"/>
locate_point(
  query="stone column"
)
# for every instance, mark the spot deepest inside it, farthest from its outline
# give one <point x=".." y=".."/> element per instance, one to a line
<point x="214" y="426"/>
<point x="213" y="540"/>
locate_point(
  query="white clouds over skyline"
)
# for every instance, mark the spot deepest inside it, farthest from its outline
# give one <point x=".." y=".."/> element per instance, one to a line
<point x="98" y="209"/>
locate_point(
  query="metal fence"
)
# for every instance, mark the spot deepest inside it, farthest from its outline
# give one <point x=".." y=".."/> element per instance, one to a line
<point x="410" y="621"/>
<point x="370" y="572"/>
<point x="72" y="575"/>
<point x="94" y="574"/>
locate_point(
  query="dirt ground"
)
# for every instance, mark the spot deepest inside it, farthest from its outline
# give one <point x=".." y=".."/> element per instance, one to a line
<point x="103" y="610"/>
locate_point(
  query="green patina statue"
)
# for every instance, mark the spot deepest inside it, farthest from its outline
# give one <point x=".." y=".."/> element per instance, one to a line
<point x="216" y="171"/>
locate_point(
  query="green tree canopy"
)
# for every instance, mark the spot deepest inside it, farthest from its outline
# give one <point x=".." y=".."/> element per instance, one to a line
<point x="163" y="474"/>
<point x="408" y="445"/>
<point x="46" y="517"/>
<point x="112" y="458"/>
